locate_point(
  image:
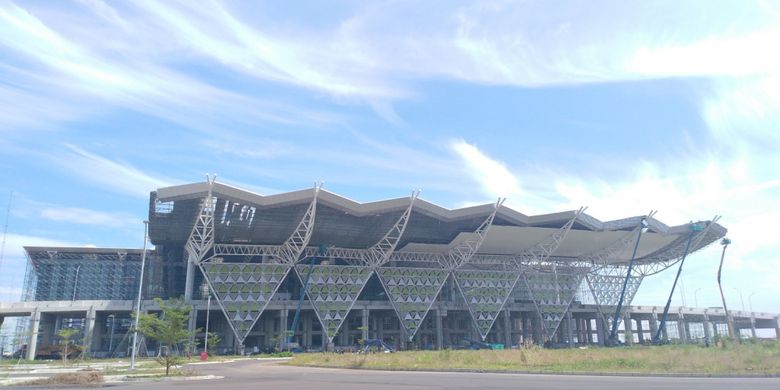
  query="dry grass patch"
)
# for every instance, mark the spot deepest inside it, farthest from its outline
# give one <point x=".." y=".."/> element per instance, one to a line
<point x="82" y="378"/>
<point x="760" y="358"/>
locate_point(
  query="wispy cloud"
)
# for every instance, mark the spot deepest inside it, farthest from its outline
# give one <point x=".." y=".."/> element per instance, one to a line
<point x="81" y="216"/>
<point x="114" y="175"/>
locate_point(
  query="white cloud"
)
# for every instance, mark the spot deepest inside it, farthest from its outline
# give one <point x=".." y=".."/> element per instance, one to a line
<point x="111" y="174"/>
<point x="81" y="216"/>
<point x="493" y="176"/>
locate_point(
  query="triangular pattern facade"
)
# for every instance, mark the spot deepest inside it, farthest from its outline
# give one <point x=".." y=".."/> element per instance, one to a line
<point x="552" y="294"/>
<point x="606" y="291"/>
<point x="412" y="291"/>
<point x="485" y="293"/>
<point x="244" y="290"/>
<point x="332" y="291"/>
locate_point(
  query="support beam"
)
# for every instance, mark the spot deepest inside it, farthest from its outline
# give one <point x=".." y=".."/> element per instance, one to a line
<point x="462" y="253"/>
<point x="380" y="252"/>
<point x="290" y="252"/>
<point x="89" y="330"/>
<point x="700" y="236"/>
<point x="201" y="238"/>
<point x="32" y="344"/>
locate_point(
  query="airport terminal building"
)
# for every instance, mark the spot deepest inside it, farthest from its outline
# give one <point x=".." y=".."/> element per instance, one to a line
<point x="330" y="272"/>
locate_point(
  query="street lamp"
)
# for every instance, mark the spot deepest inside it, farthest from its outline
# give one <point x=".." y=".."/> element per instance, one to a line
<point x="729" y="321"/>
<point x="741" y="298"/>
<point x="138" y="304"/>
<point x="752" y="315"/>
<point x="750" y="300"/>
<point x="207" y="292"/>
<point x="696" y="297"/>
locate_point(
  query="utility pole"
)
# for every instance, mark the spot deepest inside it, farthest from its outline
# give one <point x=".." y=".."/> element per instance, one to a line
<point x="729" y="320"/>
<point x="138" y="304"/>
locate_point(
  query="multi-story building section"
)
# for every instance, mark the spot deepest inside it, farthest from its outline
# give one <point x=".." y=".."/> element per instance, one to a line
<point x="318" y="271"/>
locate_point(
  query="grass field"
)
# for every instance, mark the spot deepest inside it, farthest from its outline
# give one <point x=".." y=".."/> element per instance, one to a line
<point x="758" y="359"/>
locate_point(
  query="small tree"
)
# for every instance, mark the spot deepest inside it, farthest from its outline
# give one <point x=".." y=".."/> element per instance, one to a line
<point x="214" y="339"/>
<point x="169" y="329"/>
<point x="66" y="336"/>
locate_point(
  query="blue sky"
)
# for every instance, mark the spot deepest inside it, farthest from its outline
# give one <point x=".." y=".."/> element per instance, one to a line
<point x="623" y="107"/>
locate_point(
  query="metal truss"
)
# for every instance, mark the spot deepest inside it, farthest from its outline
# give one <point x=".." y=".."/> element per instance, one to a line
<point x="652" y="265"/>
<point x="290" y="252"/>
<point x="600" y="258"/>
<point x="380" y="252"/>
<point x="536" y="257"/>
<point x="463" y="252"/>
<point x="201" y="238"/>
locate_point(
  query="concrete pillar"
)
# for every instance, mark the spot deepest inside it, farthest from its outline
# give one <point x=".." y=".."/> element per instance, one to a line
<point x="307" y="330"/>
<point x="628" y="332"/>
<point x="439" y="330"/>
<point x="380" y="328"/>
<point x="752" y="324"/>
<point x="589" y="330"/>
<point x="706" y="324"/>
<point x="777" y="327"/>
<point x="653" y="324"/>
<point x="189" y="281"/>
<point x="640" y="332"/>
<point x="681" y="328"/>
<point x="89" y="330"/>
<point x="601" y="330"/>
<point x="364" y="323"/>
<point x="536" y="325"/>
<point x="191" y="322"/>
<point x="507" y="329"/>
<point x="283" y="329"/>
<point x="32" y="344"/>
<point x="569" y="330"/>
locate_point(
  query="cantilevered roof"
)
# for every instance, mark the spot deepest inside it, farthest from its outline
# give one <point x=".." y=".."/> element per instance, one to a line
<point x="246" y="217"/>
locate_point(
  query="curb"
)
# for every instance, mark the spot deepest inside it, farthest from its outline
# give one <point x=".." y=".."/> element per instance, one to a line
<point x="571" y="373"/>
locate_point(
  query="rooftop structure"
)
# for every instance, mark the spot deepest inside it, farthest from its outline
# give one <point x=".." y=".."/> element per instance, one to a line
<point x="322" y="257"/>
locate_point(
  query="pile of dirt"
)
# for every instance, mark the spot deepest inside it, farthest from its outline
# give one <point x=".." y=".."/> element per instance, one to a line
<point x="85" y="378"/>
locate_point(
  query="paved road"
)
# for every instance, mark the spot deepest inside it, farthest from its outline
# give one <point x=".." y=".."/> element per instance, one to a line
<point x="265" y="375"/>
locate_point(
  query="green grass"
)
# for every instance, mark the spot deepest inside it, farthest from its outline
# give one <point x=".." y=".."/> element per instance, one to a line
<point x="760" y="358"/>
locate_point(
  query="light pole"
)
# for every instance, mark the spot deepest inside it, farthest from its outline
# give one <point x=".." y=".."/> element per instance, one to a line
<point x="750" y="300"/>
<point x="741" y="298"/>
<point x="138" y="304"/>
<point x="207" y="291"/>
<point x="729" y="321"/>
<point x="752" y="316"/>
<point x="696" y="297"/>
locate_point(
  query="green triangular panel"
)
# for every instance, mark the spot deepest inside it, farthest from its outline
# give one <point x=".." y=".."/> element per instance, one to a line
<point x="485" y="293"/>
<point x="332" y="291"/>
<point x="552" y="294"/>
<point x="243" y="291"/>
<point x="412" y="292"/>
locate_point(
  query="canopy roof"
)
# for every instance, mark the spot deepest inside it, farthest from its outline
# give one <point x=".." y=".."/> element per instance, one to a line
<point x="245" y="217"/>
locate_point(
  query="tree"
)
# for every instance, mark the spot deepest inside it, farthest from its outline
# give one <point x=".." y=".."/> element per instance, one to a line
<point x="168" y="329"/>
<point x="214" y="339"/>
<point x="66" y="334"/>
